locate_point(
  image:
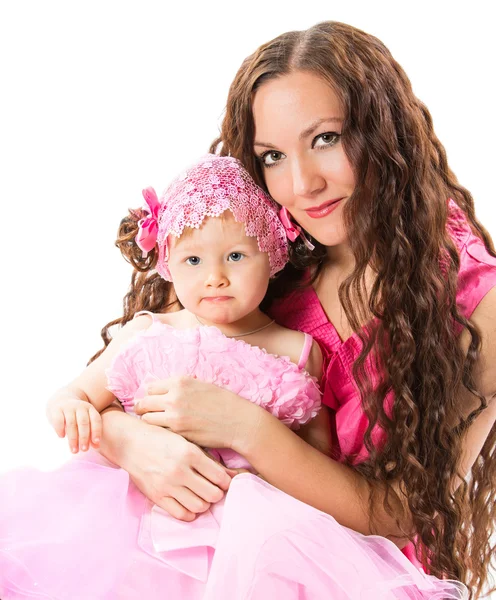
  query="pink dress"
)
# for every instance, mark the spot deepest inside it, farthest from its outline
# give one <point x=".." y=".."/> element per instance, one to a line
<point x="86" y="532"/>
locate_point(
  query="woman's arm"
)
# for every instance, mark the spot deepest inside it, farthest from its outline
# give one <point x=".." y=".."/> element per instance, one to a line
<point x="218" y="418"/>
<point x="171" y="471"/>
<point x="214" y="417"/>
<point x="307" y="474"/>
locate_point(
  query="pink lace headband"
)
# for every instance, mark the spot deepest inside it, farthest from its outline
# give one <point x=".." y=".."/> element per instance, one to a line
<point x="210" y="187"/>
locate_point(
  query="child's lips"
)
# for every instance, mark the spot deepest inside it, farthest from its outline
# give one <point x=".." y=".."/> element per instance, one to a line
<point x="217" y="298"/>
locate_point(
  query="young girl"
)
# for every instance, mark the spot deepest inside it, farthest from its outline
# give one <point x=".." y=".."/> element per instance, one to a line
<point x="85" y="531"/>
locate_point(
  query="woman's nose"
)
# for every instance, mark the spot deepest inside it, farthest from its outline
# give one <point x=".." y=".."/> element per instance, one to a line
<point x="307" y="179"/>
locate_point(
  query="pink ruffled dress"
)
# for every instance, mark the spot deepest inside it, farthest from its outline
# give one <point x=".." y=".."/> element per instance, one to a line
<point x="86" y="532"/>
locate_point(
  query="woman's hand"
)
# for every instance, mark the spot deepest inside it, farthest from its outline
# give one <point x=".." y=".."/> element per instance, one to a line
<point x="203" y="413"/>
<point x="172" y="472"/>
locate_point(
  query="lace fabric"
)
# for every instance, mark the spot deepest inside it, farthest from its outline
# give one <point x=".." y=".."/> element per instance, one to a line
<point x="209" y="188"/>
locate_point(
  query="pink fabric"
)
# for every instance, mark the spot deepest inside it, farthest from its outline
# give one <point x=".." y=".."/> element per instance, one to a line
<point x="303" y="311"/>
<point x="207" y="189"/>
<point x="148" y="226"/>
<point x="161" y="351"/>
<point x="293" y="231"/>
<point x="88" y="533"/>
<point x="305" y="353"/>
<point x="85" y="530"/>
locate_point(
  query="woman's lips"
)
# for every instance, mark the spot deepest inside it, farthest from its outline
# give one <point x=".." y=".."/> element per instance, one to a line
<point x="324" y="209"/>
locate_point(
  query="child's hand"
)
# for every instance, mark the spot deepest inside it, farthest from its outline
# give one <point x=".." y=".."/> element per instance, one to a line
<point x="78" y="420"/>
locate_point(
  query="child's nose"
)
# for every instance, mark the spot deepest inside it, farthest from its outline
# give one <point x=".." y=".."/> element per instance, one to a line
<point x="217" y="278"/>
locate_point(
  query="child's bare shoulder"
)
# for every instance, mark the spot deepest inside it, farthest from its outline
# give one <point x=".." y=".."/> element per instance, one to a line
<point x="179" y="319"/>
<point x="144" y="319"/>
<point x="291" y="343"/>
<point x="125" y="332"/>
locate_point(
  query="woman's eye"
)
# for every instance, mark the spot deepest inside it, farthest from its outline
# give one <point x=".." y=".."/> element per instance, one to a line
<point x="326" y="139"/>
<point x="235" y="256"/>
<point x="270" y="158"/>
<point x="193" y="261"/>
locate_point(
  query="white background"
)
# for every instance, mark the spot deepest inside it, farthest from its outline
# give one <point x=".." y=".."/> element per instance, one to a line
<point x="99" y="99"/>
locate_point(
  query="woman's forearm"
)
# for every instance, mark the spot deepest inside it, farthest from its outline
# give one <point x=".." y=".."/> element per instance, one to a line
<point x="290" y="464"/>
<point x="214" y="417"/>
<point x="169" y="470"/>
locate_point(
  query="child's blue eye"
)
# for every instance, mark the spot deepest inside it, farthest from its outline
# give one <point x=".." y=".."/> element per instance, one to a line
<point x="193" y="261"/>
<point x="235" y="256"/>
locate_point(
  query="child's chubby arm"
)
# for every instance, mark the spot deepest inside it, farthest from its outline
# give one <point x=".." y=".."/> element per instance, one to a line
<point x="74" y="410"/>
<point x="317" y="432"/>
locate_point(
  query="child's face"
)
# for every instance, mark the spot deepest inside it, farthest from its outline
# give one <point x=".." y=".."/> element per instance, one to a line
<point x="218" y="272"/>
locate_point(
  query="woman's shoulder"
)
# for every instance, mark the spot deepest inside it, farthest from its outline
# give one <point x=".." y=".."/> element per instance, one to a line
<point x="477" y="273"/>
<point x="457" y="225"/>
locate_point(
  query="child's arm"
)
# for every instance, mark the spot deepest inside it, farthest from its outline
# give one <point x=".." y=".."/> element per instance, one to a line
<point x="74" y="410"/>
<point x="317" y="432"/>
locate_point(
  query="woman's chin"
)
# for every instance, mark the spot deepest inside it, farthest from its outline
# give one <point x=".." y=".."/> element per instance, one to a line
<point x="330" y="238"/>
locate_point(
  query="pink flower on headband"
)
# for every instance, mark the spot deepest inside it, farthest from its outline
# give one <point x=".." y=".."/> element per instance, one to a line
<point x="293" y="230"/>
<point x="148" y="226"/>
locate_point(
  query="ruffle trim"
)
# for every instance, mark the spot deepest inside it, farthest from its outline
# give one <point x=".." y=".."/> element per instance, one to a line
<point x="272" y="382"/>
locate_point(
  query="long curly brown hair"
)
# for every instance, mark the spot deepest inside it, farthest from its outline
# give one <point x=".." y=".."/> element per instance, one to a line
<point x="389" y="139"/>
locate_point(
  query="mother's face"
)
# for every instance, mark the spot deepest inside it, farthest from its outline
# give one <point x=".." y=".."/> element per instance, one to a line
<point x="298" y="125"/>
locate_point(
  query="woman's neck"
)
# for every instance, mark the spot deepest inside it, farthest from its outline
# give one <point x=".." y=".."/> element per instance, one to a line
<point x="340" y="259"/>
<point x="339" y="266"/>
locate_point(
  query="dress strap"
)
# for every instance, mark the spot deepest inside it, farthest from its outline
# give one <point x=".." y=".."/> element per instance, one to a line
<point x="307" y="346"/>
<point x="146" y="312"/>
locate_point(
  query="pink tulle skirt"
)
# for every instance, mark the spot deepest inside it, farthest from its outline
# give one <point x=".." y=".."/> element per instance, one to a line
<point x="85" y="532"/>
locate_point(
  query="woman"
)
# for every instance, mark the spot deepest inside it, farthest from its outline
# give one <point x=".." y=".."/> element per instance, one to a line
<point x="399" y="290"/>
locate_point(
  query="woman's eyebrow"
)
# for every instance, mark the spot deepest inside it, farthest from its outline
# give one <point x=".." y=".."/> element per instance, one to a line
<point x="309" y="130"/>
<point x="306" y="132"/>
<point x="264" y="144"/>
